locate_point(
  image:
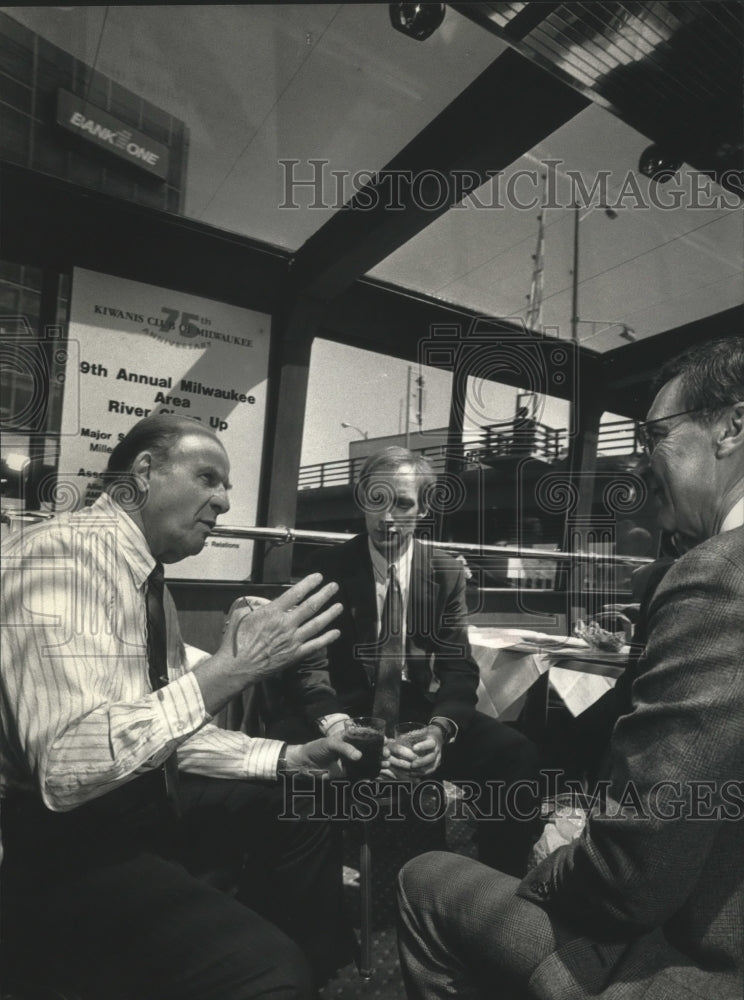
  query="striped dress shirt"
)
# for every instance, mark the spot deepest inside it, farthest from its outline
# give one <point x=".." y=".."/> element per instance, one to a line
<point x="78" y="715"/>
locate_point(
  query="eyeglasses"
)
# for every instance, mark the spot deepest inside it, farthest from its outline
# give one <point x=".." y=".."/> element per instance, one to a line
<point x="647" y="438"/>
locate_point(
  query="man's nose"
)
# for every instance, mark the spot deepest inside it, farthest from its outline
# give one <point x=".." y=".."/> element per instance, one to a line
<point x="220" y="501"/>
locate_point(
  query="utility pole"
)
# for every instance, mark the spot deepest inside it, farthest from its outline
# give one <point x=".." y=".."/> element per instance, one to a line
<point x="408" y="408"/>
<point x="534" y="299"/>
<point x="420" y="401"/>
<point x="575" y="279"/>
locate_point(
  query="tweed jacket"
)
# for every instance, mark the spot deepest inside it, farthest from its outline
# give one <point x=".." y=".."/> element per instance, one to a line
<point x="655" y="885"/>
<point x="438" y="657"/>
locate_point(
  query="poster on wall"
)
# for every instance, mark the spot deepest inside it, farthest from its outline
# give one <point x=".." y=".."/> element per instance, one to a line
<point x="142" y="350"/>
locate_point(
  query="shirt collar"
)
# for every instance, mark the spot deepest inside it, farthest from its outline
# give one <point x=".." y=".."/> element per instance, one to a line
<point x="130" y="541"/>
<point x="735" y="517"/>
<point x="402" y="563"/>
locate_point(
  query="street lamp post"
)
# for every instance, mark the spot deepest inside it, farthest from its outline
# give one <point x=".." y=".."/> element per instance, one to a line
<point x="584" y="424"/>
<point x="353" y="427"/>
<point x="611" y="214"/>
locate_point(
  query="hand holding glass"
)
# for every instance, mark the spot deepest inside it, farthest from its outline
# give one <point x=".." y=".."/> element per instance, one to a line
<point x="405" y="736"/>
<point x="368" y="736"/>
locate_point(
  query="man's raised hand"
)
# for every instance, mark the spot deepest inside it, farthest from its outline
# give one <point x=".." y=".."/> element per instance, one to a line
<point x="275" y="635"/>
<point x="261" y="641"/>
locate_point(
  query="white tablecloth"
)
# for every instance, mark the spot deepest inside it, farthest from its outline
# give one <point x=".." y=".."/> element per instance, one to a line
<point x="508" y="673"/>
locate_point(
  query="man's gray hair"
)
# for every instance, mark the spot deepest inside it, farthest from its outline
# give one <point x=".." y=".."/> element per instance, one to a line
<point x="392" y="459"/>
<point x="711" y="375"/>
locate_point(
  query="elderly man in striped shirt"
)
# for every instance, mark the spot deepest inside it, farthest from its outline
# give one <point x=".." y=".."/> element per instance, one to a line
<point x="119" y="793"/>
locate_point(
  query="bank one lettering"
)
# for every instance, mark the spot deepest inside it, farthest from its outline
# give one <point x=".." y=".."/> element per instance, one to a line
<point x="118" y="138"/>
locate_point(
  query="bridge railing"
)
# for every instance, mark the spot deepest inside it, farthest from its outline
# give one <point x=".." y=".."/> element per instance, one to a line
<point x="487" y="448"/>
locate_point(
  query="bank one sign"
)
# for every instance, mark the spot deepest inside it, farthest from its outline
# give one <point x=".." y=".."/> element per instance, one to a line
<point x="95" y="125"/>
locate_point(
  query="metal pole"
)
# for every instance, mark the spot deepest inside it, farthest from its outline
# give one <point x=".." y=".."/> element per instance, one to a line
<point x="575" y="279"/>
<point x="283" y="536"/>
<point x="408" y="408"/>
<point x="365" y="884"/>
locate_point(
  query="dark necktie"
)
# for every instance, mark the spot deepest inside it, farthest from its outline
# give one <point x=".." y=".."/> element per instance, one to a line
<point x="157" y="667"/>
<point x="391" y="651"/>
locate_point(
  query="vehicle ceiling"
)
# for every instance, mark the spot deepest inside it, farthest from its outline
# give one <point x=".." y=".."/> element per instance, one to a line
<point x="501" y="93"/>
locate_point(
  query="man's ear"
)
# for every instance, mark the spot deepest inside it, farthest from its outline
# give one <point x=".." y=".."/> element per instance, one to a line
<point x="731" y="436"/>
<point x="142" y="469"/>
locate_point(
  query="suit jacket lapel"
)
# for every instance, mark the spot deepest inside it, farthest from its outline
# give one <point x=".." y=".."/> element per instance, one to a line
<point x="361" y="601"/>
<point x="422" y="593"/>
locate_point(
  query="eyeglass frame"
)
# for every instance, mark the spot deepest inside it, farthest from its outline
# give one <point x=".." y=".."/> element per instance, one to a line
<point x="647" y="443"/>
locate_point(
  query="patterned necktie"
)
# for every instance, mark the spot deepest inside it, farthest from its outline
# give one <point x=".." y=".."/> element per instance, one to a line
<point x="390" y="659"/>
<point x="157" y="668"/>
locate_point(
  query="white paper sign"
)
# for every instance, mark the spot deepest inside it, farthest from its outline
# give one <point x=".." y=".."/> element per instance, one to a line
<point x="144" y="350"/>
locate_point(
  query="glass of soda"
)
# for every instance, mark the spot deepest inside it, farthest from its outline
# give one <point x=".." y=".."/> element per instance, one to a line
<point x="407" y="734"/>
<point x="367" y="734"/>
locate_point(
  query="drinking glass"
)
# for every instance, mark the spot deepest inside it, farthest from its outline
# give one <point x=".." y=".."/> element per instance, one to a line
<point x="367" y="734"/>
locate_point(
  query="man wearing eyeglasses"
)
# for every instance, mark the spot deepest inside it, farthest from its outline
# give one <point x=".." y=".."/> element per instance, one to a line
<point x="649" y="900"/>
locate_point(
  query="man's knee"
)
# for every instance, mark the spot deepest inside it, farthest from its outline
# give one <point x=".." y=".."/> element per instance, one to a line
<point x="417" y="877"/>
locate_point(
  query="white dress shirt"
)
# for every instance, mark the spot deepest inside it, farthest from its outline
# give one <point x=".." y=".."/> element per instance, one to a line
<point x="381" y="565"/>
<point x="735" y="517"/>
<point x="77" y="712"/>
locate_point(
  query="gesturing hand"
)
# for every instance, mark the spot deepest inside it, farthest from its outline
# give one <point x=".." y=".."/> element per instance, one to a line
<point x="265" y="640"/>
<point x="259" y="642"/>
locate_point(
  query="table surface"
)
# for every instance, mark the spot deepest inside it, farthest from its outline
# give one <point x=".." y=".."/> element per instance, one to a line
<point x="587" y="661"/>
<point x="512" y="660"/>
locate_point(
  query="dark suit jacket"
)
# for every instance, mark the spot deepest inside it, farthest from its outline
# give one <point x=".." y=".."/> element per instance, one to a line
<point x="657" y="895"/>
<point x="594" y="726"/>
<point x="438" y="656"/>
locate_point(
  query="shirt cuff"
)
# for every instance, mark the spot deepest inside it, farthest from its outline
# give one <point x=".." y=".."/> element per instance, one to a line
<point x="328" y="722"/>
<point x="448" y="727"/>
<point x="181" y="707"/>
<point x="262" y="759"/>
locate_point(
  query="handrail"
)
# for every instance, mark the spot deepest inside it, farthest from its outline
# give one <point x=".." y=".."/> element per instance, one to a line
<point x="9" y="515"/>
<point x="283" y="536"/>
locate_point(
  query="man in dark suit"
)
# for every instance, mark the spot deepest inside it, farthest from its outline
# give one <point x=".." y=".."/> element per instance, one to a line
<point x="649" y="900"/>
<point x="431" y="679"/>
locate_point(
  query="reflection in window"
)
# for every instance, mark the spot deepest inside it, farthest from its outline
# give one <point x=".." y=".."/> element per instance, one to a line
<point x="31" y="379"/>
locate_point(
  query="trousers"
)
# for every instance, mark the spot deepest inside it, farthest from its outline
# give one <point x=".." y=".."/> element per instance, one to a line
<point x="119" y="900"/>
<point x="464" y="933"/>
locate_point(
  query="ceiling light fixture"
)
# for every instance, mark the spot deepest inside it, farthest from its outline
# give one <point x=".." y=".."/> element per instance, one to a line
<point x="416" y="20"/>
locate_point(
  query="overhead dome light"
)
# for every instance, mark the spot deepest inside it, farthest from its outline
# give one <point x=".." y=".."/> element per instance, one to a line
<point x="658" y="164"/>
<point x="416" y="20"/>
